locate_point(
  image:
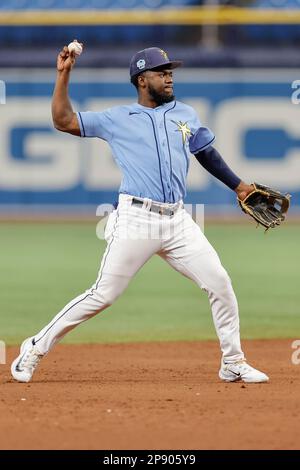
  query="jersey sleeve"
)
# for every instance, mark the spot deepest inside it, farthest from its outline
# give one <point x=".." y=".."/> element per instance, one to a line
<point x="201" y="137"/>
<point x="195" y="122"/>
<point x="96" y="124"/>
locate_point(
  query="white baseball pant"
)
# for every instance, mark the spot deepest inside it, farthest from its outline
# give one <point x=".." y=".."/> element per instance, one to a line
<point x="133" y="235"/>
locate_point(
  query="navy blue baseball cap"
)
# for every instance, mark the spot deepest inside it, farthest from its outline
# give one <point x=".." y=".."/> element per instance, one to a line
<point x="149" y="59"/>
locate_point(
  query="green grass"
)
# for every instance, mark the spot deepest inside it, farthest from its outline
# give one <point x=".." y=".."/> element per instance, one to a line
<point x="43" y="266"/>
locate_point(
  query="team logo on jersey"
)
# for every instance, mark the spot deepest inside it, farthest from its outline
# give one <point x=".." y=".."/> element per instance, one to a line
<point x="164" y="54"/>
<point x="141" y="64"/>
<point x="184" y="129"/>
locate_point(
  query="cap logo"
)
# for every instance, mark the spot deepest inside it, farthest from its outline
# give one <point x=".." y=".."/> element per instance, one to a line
<point x="164" y="54"/>
<point x="141" y="64"/>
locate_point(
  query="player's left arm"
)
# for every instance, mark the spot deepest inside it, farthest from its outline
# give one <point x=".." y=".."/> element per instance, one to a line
<point x="200" y="144"/>
<point x="212" y="161"/>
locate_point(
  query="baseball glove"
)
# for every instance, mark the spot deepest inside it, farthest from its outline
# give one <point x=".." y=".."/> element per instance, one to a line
<point x="267" y="206"/>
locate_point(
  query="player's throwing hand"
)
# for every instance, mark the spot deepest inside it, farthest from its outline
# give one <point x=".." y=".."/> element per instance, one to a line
<point x="66" y="59"/>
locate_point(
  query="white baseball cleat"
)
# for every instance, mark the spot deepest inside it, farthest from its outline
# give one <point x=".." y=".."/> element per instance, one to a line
<point x="25" y="364"/>
<point x="240" y="370"/>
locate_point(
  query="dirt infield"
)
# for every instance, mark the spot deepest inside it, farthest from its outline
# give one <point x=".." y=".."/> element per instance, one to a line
<point x="151" y="396"/>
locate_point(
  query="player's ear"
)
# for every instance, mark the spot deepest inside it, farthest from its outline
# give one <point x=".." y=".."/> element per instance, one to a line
<point x="142" y="80"/>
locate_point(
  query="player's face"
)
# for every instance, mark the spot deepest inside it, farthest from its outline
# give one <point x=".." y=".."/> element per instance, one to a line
<point x="160" y="85"/>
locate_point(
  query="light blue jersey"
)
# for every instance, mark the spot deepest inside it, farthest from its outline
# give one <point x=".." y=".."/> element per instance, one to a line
<point x="150" y="146"/>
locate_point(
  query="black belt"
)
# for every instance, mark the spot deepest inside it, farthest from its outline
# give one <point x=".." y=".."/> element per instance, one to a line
<point x="157" y="208"/>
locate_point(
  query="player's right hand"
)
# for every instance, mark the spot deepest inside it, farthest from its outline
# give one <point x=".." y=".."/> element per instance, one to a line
<point x="66" y="60"/>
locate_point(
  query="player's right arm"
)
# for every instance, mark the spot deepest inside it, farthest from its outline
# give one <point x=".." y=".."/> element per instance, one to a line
<point x="64" y="118"/>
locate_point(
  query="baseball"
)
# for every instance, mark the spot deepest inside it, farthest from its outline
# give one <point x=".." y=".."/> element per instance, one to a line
<point x="76" y="47"/>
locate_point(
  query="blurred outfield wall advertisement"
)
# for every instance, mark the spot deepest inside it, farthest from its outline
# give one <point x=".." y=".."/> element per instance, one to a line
<point x="2" y="92"/>
<point x="251" y="113"/>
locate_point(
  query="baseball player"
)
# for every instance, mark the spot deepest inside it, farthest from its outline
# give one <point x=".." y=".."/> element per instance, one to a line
<point x="151" y="141"/>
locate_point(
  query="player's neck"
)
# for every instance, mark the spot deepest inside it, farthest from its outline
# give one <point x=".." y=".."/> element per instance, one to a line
<point x="147" y="102"/>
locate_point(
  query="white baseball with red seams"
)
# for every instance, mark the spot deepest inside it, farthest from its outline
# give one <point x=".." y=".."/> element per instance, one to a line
<point x="76" y="47"/>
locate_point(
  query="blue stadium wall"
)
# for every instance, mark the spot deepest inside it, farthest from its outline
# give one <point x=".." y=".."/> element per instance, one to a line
<point x="254" y="115"/>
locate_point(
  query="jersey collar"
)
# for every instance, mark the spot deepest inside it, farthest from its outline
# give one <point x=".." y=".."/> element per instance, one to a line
<point x="163" y="107"/>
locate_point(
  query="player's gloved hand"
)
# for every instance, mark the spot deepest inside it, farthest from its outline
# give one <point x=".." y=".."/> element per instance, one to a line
<point x="243" y="190"/>
<point x="267" y="206"/>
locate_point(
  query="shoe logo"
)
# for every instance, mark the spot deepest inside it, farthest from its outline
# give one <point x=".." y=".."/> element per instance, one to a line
<point x="17" y="366"/>
<point x="235" y="373"/>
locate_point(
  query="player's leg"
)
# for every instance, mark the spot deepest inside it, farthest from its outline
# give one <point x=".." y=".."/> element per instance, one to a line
<point x="123" y="257"/>
<point x="188" y="251"/>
